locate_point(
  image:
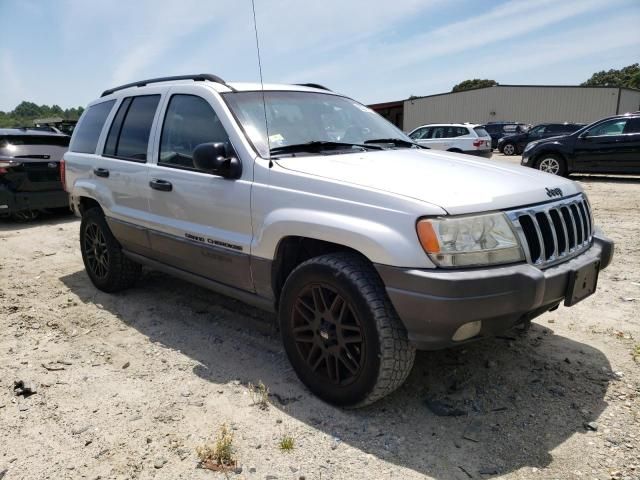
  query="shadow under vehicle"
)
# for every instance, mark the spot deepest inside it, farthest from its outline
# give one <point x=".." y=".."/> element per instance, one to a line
<point x="481" y="410"/>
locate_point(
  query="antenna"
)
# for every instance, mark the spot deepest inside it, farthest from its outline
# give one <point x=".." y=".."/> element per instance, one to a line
<point x="264" y="103"/>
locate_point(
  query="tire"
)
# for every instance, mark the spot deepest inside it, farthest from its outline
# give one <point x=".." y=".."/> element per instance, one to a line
<point x="108" y="268"/>
<point x="509" y="149"/>
<point x="335" y="315"/>
<point x="552" y="163"/>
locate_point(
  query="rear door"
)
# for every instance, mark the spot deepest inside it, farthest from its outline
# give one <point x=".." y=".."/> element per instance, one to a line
<point x="200" y="222"/>
<point x="118" y="172"/>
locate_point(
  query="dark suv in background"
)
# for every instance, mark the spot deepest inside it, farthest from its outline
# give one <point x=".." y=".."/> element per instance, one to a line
<point x="610" y="145"/>
<point x="497" y="130"/>
<point x="514" y="144"/>
<point x="30" y="172"/>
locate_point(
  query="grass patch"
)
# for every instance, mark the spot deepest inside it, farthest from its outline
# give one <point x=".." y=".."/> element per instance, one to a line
<point x="636" y="353"/>
<point x="259" y="395"/>
<point x="286" y="443"/>
<point x="219" y="455"/>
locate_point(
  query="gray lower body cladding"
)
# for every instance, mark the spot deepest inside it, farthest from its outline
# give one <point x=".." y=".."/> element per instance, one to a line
<point x="11" y="201"/>
<point x="433" y="304"/>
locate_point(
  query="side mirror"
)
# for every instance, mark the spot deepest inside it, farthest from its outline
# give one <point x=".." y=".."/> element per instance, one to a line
<point x="218" y="158"/>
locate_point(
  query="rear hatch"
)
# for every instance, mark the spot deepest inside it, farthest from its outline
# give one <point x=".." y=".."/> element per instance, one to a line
<point x="483" y="141"/>
<point x="31" y="163"/>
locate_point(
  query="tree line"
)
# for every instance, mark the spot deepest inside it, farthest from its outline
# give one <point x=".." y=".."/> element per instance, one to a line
<point x="26" y="112"/>
<point x="628" y="76"/>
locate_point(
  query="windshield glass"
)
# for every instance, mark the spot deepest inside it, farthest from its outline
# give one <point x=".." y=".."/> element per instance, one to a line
<point x="297" y="118"/>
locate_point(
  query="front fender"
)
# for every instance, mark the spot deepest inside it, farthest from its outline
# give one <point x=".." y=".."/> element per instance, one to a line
<point x="389" y="243"/>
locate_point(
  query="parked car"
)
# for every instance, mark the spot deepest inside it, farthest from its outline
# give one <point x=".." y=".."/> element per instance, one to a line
<point x="514" y="144"/>
<point x="454" y="137"/>
<point x="497" y="130"/>
<point x="30" y="177"/>
<point x="367" y="248"/>
<point x="610" y="145"/>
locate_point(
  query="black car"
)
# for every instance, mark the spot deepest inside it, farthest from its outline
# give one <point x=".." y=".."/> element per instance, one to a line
<point x="610" y="145"/>
<point x="514" y="144"/>
<point x="497" y="130"/>
<point x="30" y="172"/>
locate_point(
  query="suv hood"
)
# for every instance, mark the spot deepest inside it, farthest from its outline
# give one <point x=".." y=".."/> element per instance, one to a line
<point x="457" y="183"/>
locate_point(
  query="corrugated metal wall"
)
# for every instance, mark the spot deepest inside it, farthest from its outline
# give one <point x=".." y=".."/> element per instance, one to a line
<point x="629" y="101"/>
<point x="528" y="104"/>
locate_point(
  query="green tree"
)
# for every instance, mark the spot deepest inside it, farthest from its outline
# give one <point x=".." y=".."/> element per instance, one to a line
<point x="475" y="83"/>
<point x="628" y="76"/>
<point x="26" y="112"/>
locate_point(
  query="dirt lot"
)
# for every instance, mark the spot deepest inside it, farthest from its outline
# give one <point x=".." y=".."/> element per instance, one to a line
<point x="128" y="385"/>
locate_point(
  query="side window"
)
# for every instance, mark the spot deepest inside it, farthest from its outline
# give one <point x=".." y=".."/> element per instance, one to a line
<point x="460" y="131"/>
<point x="86" y="134"/>
<point x="438" y="132"/>
<point x="189" y="121"/>
<point x="612" y="127"/>
<point x="129" y="133"/>
<point x="537" y="131"/>
<point x="633" y="125"/>
<point x="418" y="134"/>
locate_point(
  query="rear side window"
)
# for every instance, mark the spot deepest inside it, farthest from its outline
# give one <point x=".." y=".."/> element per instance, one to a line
<point x="86" y="134"/>
<point x="189" y="122"/>
<point x="481" y="132"/>
<point x="129" y="133"/>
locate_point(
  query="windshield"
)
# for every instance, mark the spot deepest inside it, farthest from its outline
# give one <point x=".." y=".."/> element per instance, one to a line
<point x="298" y="118"/>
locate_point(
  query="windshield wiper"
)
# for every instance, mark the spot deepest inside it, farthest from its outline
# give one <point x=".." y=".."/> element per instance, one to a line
<point x="318" y="146"/>
<point x="394" y="141"/>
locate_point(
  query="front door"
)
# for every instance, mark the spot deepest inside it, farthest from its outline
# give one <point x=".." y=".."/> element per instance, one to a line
<point x="600" y="149"/>
<point x="199" y="222"/>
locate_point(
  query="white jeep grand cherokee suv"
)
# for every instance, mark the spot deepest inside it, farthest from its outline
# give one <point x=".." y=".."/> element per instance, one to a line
<point x="454" y="137"/>
<point x="366" y="245"/>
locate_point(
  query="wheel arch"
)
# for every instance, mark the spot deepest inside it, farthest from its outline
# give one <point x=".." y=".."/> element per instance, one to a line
<point x="293" y="250"/>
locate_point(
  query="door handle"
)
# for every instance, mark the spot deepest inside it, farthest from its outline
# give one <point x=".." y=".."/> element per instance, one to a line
<point x="101" y="172"/>
<point x="161" y="185"/>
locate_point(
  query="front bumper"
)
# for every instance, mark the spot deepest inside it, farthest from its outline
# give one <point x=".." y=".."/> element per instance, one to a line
<point x="479" y="153"/>
<point x="433" y="304"/>
<point x="11" y="201"/>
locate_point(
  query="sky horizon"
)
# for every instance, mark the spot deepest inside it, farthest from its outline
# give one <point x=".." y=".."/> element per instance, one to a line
<point x="68" y="52"/>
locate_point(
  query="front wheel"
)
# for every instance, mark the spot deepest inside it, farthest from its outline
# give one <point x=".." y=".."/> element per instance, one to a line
<point x="341" y="332"/>
<point x="509" y="149"/>
<point x="550" y="163"/>
<point x="108" y="268"/>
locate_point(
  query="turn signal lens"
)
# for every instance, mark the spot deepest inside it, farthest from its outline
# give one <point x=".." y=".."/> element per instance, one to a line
<point x="427" y="236"/>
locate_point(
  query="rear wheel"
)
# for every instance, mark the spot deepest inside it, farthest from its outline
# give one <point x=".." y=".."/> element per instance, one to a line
<point x="340" y="331"/>
<point x="509" y="149"/>
<point x="25" y="215"/>
<point x="108" y="268"/>
<point x="551" y="163"/>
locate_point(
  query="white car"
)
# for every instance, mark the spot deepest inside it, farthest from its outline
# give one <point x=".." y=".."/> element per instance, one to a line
<point x="454" y="137"/>
<point x="368" y="248"/>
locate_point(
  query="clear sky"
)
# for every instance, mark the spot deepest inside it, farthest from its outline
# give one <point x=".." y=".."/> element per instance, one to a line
<point x="67" y="51"/>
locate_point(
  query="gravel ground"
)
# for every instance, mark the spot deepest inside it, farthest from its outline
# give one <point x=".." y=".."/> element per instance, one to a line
<point x="128" y="385"/>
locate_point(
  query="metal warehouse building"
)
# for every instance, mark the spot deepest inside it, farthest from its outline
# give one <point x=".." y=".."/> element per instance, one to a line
<point x="522" y="103"/>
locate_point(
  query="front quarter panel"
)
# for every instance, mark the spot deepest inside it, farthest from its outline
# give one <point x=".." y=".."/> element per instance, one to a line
<point x="377" y="224"/>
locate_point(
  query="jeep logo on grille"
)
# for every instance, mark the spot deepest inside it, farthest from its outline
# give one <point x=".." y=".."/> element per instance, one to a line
<point x="554" y="192"/>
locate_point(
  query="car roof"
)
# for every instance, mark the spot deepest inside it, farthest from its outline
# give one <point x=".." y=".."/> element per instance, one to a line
<point x="469" y="125"/>
<point x="211" y="81"/>
<point x="30" y="132"/>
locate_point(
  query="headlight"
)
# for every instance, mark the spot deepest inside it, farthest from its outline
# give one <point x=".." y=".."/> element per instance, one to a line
<point x="469" y="241"/>
<point x="530" y="146"/>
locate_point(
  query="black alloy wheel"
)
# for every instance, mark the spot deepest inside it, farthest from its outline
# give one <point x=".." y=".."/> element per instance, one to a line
<point x="328" y="334"/>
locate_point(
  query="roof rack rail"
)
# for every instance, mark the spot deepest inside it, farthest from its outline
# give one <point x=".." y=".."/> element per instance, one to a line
<point x="314" y="85"/>
<point x="199" y="77"/>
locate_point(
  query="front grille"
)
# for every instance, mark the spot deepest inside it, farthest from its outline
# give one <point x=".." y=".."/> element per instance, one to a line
<point x="554" y="232"/>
